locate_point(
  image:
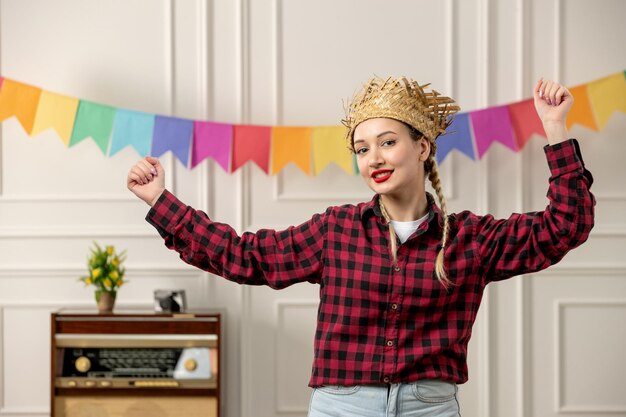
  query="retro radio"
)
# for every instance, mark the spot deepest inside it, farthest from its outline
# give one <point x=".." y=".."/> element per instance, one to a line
<point x="135" y="364"/>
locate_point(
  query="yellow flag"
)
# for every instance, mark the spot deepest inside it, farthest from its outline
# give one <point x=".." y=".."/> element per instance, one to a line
<point x="607" y="95"/>
<point x="58" y="112"/>
<point x="581" y="112"/>
<point x="20" y="100"/>
<point x="291" y="144"/>
<point x="330" y="146"/>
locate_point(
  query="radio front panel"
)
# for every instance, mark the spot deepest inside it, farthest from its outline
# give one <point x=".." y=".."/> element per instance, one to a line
<point x="150" y="356"/>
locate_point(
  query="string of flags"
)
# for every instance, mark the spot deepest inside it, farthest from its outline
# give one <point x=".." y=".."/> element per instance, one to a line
<point x="311" y="148"/>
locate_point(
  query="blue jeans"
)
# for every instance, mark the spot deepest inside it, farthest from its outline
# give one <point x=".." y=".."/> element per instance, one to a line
<point x="428" y="398"/>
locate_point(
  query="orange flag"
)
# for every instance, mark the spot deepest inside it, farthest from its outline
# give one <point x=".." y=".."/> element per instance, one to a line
<point x="581" y="112"/>
<point x="291" y="144"/>
<point x="20" y="100"/>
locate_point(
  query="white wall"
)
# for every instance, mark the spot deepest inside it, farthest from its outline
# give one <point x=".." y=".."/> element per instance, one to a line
<point x="545" y="345"/>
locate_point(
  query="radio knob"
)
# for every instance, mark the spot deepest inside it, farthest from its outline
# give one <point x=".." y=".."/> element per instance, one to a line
<point x="82" y="364"/>
<point x="71" y="384"/>
<point x="191" y="365"/>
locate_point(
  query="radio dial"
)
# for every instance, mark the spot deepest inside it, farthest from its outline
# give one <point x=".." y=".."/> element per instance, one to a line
<point x="82" y="364"/>
<point x="191" y="365"/>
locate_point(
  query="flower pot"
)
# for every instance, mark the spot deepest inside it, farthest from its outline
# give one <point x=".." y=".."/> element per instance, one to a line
<point x="105" y="300"/>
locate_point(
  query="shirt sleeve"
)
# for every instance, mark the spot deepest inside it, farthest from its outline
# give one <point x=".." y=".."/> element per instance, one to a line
<point x="268" y="257"/>
<point x="530" y="242"/>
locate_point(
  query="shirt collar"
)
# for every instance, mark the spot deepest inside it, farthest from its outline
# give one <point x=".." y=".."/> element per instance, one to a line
<point x="372" y="206"/>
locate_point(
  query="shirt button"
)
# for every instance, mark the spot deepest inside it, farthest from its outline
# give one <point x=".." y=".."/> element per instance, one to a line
<point x="396" y="268"/>
<point x="394" y="306"/>
<point x="386" y="379"/>
<point x="389" y="343"/>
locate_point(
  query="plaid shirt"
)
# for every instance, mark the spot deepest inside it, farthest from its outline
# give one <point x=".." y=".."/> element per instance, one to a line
<point x="379" y="323"/>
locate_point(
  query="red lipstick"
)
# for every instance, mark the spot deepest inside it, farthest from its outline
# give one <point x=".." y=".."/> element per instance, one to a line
<point x="386" y="174"/>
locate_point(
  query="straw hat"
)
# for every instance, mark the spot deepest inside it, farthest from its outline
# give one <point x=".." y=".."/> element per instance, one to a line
<point x="404" y="100"/>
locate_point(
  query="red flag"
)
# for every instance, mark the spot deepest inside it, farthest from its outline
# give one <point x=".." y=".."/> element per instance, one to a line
<point x="525" y="121"/>
<point x="251" y="143"/>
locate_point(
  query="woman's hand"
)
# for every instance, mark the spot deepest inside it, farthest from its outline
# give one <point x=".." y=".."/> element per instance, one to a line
<point x="146" y="179"/>
<point x="552" y="103"/>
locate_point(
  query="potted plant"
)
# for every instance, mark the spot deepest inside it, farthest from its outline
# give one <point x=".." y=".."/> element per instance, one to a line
<point x="106" y="273"/>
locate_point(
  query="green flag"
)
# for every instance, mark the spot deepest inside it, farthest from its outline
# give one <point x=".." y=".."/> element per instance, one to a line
<point x="93" y="120"/>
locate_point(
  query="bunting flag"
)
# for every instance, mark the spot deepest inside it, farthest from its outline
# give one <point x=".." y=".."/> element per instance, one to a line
<point x="330" y="146"/>
<point x="581" y="112"/>
<point x="251" y="143"/>
<point x="132" y="128"/>
<point x="492" y="125"/>
<point x="272" y="148"/>
<point x="19" y="100"/>
<point x="93" y="120"/>
<point x="458" y="136"/>
<point x="212" y="140"/>
<point x="607" y="96"/>
<point x="525" y="121"/>
<point x="172" y="134"/>
<point x="57" y="112"/>
<point x="291" y="144"/>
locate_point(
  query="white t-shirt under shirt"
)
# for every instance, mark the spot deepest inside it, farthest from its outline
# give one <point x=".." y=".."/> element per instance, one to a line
<point x="405" y="229"/>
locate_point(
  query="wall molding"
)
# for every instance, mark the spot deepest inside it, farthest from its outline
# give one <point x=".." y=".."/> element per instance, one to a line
<point x="559" y="307"/>
<point x="279" y="309"/>
<point x="485" y="345"/>
<point x="69" y="232"/>
<point x="24" y="412"/>
<point x="8" y="271"/>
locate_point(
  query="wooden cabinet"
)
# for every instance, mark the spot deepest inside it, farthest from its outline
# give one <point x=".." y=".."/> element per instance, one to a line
<point x="137" y="363"/>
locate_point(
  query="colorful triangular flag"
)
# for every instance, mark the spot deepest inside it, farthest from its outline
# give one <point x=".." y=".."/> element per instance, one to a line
<point x="132" y="128"/>
<point x="607" y="95"/>
<point x="330" y="146"/>
<point x="172" y="134"/>
<point x="492" y="125"/>
<point x="19" y="100"/>
<point x="291" y="144"/>
<point x="212" y="140"/>
<point x="458" y="136"/>
<point x="525" y="121"/>
<point x="251" y="143"/>
<point x="58" y="112"/>
<point x="93" y="120"/>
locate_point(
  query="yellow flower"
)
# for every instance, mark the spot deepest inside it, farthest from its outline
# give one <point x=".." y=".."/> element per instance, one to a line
<point x="115" y="262"/>
<point x="120" y="283"/>
<point x="107" y="283"/>
<point x="96" y="273"/>
<point x="88" y="281"/>
<point x="109" y="250"/>
<point x="114" y="274"/>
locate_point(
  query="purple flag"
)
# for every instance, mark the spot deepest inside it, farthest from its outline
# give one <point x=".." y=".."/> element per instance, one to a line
<point x="458" y="136"/>
<point x="492" y="125"/>
<point x="172" y="134"/>
<point x="214" y="140"/>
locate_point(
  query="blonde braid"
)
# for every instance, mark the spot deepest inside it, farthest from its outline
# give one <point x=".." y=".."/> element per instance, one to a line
<point x="433" y="176"/>
<point x="392" y="232"/>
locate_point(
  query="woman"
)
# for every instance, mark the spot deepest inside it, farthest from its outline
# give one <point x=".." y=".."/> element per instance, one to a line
<point x="400" y="280"/>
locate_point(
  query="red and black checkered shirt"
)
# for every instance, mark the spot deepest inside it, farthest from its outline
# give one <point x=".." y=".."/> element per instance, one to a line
<point x="378" y="323"/>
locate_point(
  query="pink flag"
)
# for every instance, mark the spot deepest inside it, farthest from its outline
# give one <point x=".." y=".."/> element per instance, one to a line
<point x="213" y="140"/>
<point x="492" y="125"/>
